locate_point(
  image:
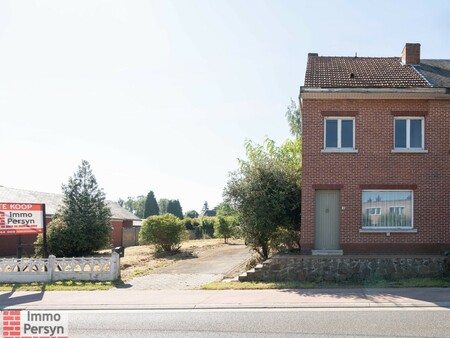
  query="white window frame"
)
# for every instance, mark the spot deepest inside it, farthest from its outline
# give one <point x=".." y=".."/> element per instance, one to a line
<point x="399" y="208"/>
<point x="339" y="147"/>
<point x="408" y="130"/>
<point x="391" y="229"/>
<point x="377" y="211"/>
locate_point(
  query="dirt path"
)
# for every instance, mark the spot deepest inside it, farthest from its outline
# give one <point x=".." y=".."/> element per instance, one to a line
<point x="192" y="273"/>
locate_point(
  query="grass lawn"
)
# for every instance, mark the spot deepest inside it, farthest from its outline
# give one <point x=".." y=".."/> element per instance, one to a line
<point x="57" y="286"/>
<point x="379" y="283"/>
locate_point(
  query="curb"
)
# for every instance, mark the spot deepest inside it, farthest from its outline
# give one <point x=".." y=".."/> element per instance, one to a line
<point x="232" y="306"/>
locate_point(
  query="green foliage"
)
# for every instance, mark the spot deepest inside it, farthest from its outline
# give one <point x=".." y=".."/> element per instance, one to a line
<point x="60" y="239"/>
<point x="294" y="118"/>
<point x="225" y="209"/>
<point x="151" y="206"/>
<point x="288" y="155"/>
<point x="286" y="239"/>
<point x="225" y="227"/>
<point x="191" y="214"/>
<point x="166" y="232"/>
<point x="136" y="205"/>
<point x="162" y="204"/>
<point x="206" y="226"/>
<point x="188" y="223"/>
<point x="265" y="190"/>
<point x="174" y="208"/>
<point x="266" y="194"/>
<point x="84" y="223"/>
<point x="193" y="224"/>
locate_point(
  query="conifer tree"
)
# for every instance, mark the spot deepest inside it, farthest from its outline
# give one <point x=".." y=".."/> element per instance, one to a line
<point x="85" y="213"/>
<point x="174" y="208"/>
<point x="151" y="206"/>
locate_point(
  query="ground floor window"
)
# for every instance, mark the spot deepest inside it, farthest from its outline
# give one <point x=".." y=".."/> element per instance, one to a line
<point x="387" y="209"/>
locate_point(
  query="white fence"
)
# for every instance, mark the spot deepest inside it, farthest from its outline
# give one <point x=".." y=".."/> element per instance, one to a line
<point x="27" y="270"/>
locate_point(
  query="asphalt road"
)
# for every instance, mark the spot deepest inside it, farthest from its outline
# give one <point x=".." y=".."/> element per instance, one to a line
<point x="398" y="322"/>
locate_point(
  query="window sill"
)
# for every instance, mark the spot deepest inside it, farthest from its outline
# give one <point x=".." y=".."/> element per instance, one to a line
<point x="387" y="230"/>
<point x="409" y="151"/>
<point x="351" y="151"/>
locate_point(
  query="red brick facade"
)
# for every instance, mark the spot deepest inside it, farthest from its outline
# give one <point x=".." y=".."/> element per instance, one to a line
<point x="375" y="165"/>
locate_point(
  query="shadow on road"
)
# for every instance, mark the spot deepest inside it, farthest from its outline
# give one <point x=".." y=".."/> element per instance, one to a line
<point x="7" y="299"/>
<point x="394" y="296"/>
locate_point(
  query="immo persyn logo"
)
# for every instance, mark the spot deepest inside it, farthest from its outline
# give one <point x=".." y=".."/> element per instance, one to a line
<point x="35" y="324"/>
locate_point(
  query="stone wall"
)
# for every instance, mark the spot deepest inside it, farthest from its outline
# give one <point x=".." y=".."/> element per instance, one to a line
<point x="347" y="268"/>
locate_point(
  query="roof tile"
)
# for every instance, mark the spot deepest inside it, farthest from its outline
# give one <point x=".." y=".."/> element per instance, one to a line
<point x="372" y="72"/>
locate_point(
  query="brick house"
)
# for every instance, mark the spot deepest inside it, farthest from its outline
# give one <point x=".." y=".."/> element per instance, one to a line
<point x="121" y="219"/>
<point x="376" y="154"/>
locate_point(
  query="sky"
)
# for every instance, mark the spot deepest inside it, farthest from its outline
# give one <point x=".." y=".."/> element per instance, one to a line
<point x="161" y="95"/>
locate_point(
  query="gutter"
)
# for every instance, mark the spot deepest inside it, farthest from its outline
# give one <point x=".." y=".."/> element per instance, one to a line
<point x="375" y="93"/>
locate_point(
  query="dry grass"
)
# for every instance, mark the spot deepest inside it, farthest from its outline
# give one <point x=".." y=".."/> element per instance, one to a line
<point x="141" y="260"/>
<point x="443" y="282"/>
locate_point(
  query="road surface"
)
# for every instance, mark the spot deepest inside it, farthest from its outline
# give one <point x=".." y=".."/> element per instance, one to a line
<point x="398" y="322"/>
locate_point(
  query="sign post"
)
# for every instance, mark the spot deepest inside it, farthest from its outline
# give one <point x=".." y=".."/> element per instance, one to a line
<point x="23" y="219"/>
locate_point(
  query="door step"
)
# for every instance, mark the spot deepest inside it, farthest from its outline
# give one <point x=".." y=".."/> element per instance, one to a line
<point x="327" y="252"/>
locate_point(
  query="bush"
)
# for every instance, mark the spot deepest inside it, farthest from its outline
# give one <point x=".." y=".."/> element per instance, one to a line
<point x="225" y="227"/>
<point x="188" y="224"/>
<point x="206" y="227"/>
<point x="267" y="196"/>
<point x="286" y="240"/>
<point x="61" y="239"/>
<point x="166" y="232"/>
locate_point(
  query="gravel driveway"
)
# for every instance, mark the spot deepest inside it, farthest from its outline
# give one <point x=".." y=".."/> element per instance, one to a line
<point x="211" y="266"/>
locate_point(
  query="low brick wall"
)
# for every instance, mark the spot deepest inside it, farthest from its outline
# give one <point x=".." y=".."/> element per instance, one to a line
<point x="348" y="268"/>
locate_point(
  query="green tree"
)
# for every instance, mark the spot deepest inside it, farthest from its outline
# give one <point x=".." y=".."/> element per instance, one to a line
<point x="266" y="194"/>
<point x="294" y="118"/>
<point x="191" y="214"/>
<point x="151" y="206"/>
<point x="224" y="227"/>
<point x="288" y="154"/>
<point x="166" y="232"/>
<point x="265" y="190"/>
<point x="84" y="223"/>
<point x="135" y="205"/>
<point x="174" y="208"/>
<point x="225" y="209"/>
<point x="163" y="204"/>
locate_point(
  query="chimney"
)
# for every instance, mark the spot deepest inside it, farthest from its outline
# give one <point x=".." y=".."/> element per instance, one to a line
<point x="411" y="54"/>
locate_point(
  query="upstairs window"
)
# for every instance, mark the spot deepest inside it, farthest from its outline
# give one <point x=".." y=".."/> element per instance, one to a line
<point x="339" y="133"/>
<point x="409" y="133"/>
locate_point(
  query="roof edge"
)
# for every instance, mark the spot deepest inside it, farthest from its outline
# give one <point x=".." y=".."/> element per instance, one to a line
<point x="429" y="90"/>
<point x="375" y="93"/>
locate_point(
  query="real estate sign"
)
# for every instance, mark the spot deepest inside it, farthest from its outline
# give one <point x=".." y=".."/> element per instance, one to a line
<point x="21" y="218"/>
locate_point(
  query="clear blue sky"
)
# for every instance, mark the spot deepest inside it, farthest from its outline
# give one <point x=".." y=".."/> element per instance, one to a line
<point x="161" y="95"/>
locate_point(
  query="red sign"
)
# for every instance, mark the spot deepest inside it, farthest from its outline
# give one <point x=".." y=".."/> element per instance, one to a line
<point x="21" y="218"/>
